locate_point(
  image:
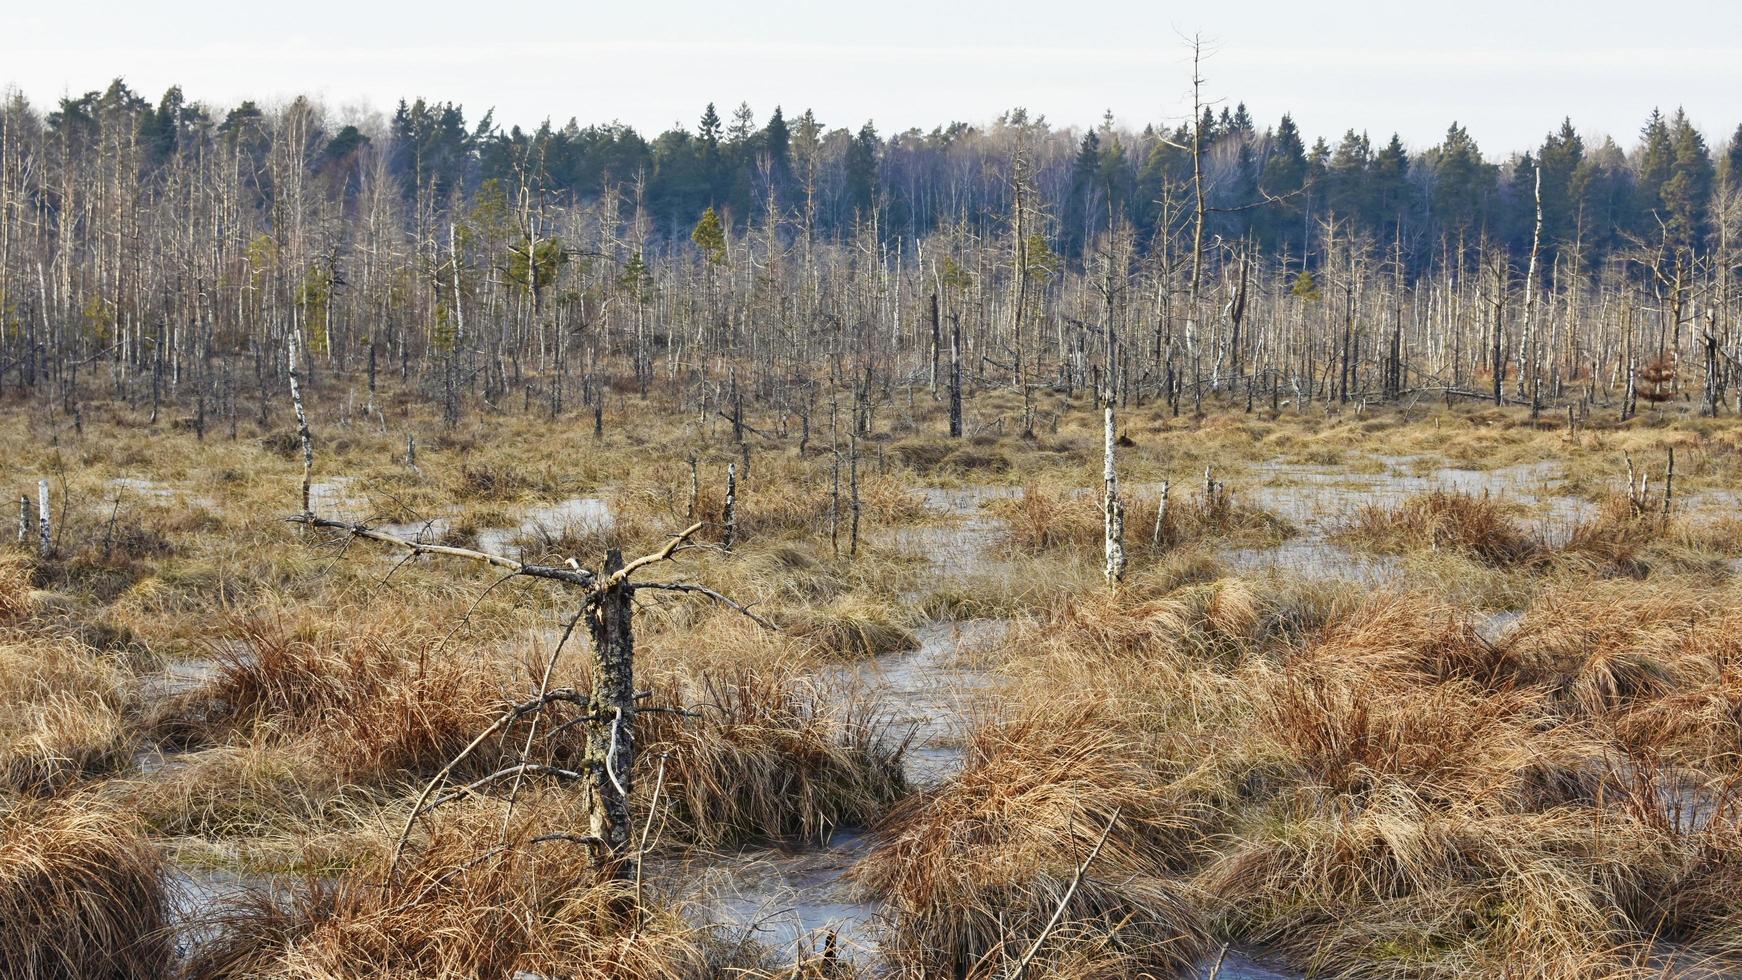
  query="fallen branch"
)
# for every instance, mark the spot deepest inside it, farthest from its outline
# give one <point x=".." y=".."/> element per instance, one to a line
<point x="571" y="576"/>
<point x="1059" y="912"/>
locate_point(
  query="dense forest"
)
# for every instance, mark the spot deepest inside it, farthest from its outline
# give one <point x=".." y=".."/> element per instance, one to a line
<point x="165" y="251"/>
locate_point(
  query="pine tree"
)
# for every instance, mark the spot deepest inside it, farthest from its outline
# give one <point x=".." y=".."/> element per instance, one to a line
<point x="1242" y="121"/>
<point x="709" y="130"/>
<point x="1285" y="171"/>
<point x="1389" y="177"/>
<point x="710" y="236"/>
<point x="743" y="125"/>
<point x="1347" y="177"/>
<point x="779" y="142"/>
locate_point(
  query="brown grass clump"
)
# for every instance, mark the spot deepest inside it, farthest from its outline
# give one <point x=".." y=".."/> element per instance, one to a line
<point x="1449" y="743"/>
<point x="850" y="631"/>
<point x="971" y="873"/>
<point x="469" y="902"/>
<point x="365" y="692"/>
<point x="1210" y="620"/>
<point x="1408" y="637"/>
<point x="1622" y="540"/>
<point x="1445" y="520"/>
<point x="81" y="895"/>
<point x="1655" y="665"/>
<point x="1040" y="521"/>
<point x="1399" y="887"/>
<point x="15" y="589"/>
<point x="766" y="760"/>
<point x="63" y="714"/>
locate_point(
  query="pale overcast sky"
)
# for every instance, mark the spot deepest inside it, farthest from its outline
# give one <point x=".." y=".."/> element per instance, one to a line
<point x="1507" y="69"/>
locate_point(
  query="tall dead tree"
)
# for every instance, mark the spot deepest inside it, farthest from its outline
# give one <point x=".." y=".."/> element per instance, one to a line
<point x="302" y="433"/>
<point x="1531" y="341"/>
<point x="1113" y="508"/>
<point x="45" y="530"/>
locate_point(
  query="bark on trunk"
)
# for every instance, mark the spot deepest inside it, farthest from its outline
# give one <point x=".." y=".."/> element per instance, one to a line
<point x="611" y="738"/>
<point x="1114" y="508"/>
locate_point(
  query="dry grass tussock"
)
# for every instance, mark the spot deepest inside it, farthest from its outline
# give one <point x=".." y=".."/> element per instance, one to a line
<point x="1622" y="540"/>
<point x="1618" y="540"/>
<point x="16" y="598"/>
<point x="768" y="757"/>
<point x="473" y="900"/>
<point x="81" y="895"/>
<point x="1445" y="520"/>
<point x="377" y="698"/>
<point x="970" y="874"/>
<point x="1367" y="784"/>
<point x="1041" y="521"/>
<point x="65" y="713"/>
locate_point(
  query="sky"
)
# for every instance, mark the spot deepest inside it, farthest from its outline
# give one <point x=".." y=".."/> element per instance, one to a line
<point x="1509" y="71"/>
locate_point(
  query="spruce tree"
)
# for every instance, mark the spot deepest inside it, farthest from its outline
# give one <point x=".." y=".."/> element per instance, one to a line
<point x="1655" y="166"/>
<point x="1687" y="194"/>
<point x="1733" y="161"/>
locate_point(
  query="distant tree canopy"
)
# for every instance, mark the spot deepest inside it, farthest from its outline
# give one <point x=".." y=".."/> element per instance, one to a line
<point x="1266" y="184"/>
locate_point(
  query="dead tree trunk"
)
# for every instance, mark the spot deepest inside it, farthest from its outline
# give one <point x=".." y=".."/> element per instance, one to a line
<point x="695" y="490"/>
<point x="1669" y="483"/>
<point x="46" y="540"/>
<point x="1532" y="342"/>
<point x="956" y="382"/>
<point x="1114" y="507"/>
<point x="853" y="492"/>
<point x="729" y="517"/>
<point x="610" y="753"/>
<point x="1156" y="536"/>
<point x="308" y="446"/>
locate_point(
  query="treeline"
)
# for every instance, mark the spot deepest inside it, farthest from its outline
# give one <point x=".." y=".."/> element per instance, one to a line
<point x="171" y="250"/>
<point x="909" y="183"/>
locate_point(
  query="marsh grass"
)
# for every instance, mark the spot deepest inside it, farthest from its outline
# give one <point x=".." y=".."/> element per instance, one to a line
<point x="769" y="758"/>
<point x="1480" y="526"/>
<point x="81" y="895"/>
<point x="472" y="901"/>
<point x="1041" y="521"/>
<point x="971" y="874"/>
<point x="1356" y="780"/>
<point x="65" y="714"/>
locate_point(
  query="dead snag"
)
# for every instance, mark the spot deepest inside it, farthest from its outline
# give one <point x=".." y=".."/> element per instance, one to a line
<point x="1114" y="507"/>
<point x="956" y="381"/>
<point x="46" y="532"/>
<point x="610" y="754"/>
<point x="606" y="773"/>
<point x="1155" y="536"/>
<point x="729" y="516"/>
<point x="302" y="433"/>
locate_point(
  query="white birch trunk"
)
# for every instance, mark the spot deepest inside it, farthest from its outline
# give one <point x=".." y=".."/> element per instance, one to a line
<point x="1114" y="508"/>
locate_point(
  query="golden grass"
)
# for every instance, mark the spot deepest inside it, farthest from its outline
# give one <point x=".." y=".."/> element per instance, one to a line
<point x="64" y="714"/>
<point x="81" y="895"/>
<point x="470" y="902"/>
<point x="1040" y="521"/>
<point x="971" y="874"/>
<point x="1358" y="781"/>
<point x="1445" y="520"/>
